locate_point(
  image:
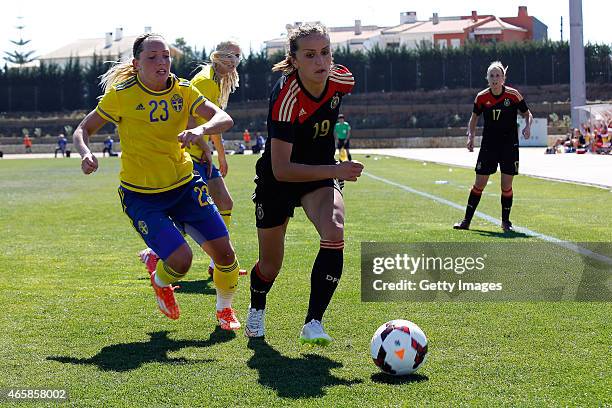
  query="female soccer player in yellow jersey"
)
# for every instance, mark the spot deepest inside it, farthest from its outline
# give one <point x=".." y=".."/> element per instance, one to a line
<point x="158" y="190"/>
<point x="216" y="81"/>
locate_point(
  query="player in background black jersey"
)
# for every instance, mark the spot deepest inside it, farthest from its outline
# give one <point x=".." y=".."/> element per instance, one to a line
<point x="499" y="105"/>
<point x="298" y="169"/>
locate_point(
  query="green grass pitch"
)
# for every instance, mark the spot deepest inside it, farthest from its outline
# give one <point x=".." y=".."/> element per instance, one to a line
<point x="78" y="312"/>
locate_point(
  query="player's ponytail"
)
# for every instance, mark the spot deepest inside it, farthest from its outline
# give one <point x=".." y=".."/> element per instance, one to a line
<point x="301" y="31"/>
<point x="123" y="70"/>
<point x="118" y="72"/>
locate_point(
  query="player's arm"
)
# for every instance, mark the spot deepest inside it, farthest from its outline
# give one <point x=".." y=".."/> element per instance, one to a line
<point x="348" y="133"/>
<point x="218" y="121"/>
<point x="471" y="131"/>
<point x="528" y="121"/>
<point x="285" y="170"/>
<point x="218" y="142"/>
<point x="88" y="126"/>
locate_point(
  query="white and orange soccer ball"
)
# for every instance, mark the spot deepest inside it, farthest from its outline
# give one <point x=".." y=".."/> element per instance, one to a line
<point x="399" y="347"/>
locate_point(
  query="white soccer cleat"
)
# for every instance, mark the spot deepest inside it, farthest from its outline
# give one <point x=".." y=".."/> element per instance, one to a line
<point x="314" y="333"/>
<point x="255" y="323"/>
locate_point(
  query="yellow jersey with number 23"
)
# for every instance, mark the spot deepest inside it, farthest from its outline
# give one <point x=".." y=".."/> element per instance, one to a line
<point x="152" y="160"/>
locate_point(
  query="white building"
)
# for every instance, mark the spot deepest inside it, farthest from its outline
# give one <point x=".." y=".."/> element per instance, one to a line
<point x="111" y="47"/>
<point x="357" y="37"/>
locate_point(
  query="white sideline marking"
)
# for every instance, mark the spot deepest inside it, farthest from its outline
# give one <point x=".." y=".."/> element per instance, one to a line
<point x="565" y="244"/>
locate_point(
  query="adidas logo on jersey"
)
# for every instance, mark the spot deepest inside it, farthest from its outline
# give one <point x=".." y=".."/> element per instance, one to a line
<point x="302" y="112"/>
<point x="140" y="107"/>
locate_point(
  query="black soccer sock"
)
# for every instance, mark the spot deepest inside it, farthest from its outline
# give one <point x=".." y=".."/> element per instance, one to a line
<point x="506" y="203"/>
<point x="324" y="279"/>
<point x="259" y="288"/>
<point x="473" y="200"/>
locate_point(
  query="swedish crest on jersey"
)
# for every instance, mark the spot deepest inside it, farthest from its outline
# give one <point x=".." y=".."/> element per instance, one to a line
<point x="177" y="102"/>
<point x="334" y="102"/>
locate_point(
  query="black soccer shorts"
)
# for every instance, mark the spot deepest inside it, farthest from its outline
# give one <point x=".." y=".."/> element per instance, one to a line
<point x="507" y="157"/>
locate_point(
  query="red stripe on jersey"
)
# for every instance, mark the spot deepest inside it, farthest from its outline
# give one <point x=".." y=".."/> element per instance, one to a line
<point x="288" y="102"/>
<point x="340" y="70"/>
<point x="485" y="98"/>
<point x="283" y="109"/>
<point x="514" y="92"/>
<point x="342" y="86"/>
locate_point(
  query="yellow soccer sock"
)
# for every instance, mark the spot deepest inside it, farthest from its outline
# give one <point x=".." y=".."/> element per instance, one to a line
<point x="227" y="220"/>
<point x="226" y="277"/>
<point x="166" y="274"/>
<point x="227" y="217"/>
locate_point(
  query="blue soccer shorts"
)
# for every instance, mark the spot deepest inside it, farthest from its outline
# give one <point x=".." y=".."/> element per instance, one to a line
<point x="201" y="169"/>
<point x="161" y="218"/>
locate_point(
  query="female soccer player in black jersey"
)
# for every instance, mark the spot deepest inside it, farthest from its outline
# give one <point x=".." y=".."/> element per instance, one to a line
<point x="298" y="169"/>
<point x="499" y="105"/>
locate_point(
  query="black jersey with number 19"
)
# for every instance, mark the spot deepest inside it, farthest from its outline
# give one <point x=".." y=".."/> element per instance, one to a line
<point x="297" y="117"/>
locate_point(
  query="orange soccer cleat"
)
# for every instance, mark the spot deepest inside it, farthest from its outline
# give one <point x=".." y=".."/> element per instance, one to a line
<point x="165" y="299"/>
<point x="227" y="319"/>
<point x="149" y="258"/>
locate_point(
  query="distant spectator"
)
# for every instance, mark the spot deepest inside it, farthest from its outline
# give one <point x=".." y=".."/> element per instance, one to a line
<point x="27" y="143"/>
<point x="259" y="145"/>
<point x="246" y="137"/>
<point x="61" y="145"/>
<point x="108" y="147"/>
<point x="241" y="148"/>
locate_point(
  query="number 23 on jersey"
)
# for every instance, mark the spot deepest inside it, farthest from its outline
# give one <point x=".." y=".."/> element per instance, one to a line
<point x="154" y="115"/>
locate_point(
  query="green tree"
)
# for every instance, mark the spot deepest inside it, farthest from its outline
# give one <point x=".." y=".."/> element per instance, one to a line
<point x="20" y="55"/>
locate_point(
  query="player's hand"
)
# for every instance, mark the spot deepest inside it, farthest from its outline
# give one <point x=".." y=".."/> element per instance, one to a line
<point x="191" y="136"/>
<point x="89" y="163"/>
<point x="470" y="143"/>
<point x="223" y="167"/>
<point x="206" y="156"/>
<point x="527" y="132"/>
<point x="348" y="170"/>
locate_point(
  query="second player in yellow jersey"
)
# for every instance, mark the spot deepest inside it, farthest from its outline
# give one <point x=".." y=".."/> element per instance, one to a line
<point x="216" y="81"/>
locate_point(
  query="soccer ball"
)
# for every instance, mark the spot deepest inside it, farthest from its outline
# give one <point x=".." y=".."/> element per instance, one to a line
<point x="399" y="347"/>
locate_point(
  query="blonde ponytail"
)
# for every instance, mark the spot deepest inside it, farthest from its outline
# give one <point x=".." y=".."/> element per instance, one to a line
<point x="118" y="72"/>
<point x="123" y="70"/>
<point x="285" y="66"/>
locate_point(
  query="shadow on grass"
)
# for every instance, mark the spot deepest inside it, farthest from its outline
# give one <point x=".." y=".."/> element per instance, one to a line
<point x="383" y="378"/>
<point x="303" y="377"/>
<point x="197" y="287"/>
<point x="130" y="356"/>
<point x="500" y="234"/>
